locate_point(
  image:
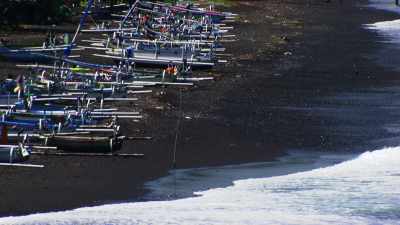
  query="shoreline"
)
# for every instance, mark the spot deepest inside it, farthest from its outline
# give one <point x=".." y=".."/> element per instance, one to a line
<point x="283" y="59"/>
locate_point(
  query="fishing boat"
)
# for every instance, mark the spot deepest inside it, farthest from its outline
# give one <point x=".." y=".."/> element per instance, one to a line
<point x="187" y="9"/>
<point x="156" y="59"/>
<point x="64" y="105"/>
<point x="79" y="138"/>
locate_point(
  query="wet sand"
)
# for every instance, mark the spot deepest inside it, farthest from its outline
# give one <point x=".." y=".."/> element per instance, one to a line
<point x="291" y="54"/>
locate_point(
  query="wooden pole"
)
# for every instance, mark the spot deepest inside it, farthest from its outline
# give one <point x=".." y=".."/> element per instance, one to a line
<point x="138" y="138"/>
<point x="21" y="165"/>
<point x="127" y="155"/>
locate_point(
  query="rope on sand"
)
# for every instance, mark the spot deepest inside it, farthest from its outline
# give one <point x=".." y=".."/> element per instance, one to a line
<point x="178" y="123"/>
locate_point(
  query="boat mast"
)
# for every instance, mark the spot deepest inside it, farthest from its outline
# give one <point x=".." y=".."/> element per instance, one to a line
<point x="82" y="21"/>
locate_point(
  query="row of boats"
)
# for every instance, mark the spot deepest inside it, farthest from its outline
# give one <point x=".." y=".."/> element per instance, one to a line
<point x="63" y="105"/>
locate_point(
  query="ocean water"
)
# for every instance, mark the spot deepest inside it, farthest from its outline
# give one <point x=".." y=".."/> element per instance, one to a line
<point x="302" y="188"/>
<point x="387" y="5"/>
<point x="363" y="189"/>
<point x="389" y="31"/>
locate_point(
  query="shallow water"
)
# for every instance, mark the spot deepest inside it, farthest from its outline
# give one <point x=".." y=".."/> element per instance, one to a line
<point x="389" y="31"/>
<point x="187" y="182"/>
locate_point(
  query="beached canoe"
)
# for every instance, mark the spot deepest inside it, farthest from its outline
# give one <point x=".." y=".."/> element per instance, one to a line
<point x="84" y="143"/>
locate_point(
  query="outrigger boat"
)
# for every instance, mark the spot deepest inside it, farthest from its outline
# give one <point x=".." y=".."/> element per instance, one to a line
<point x="64" y="107"/>
<point x="131" y="47"/>
<point x="67" y="136"/>
<point x="156" y="59"/>
<point x="187" y="9"/>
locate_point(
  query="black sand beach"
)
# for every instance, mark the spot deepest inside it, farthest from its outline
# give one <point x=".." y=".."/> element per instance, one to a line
<point x="290" y="54"/>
